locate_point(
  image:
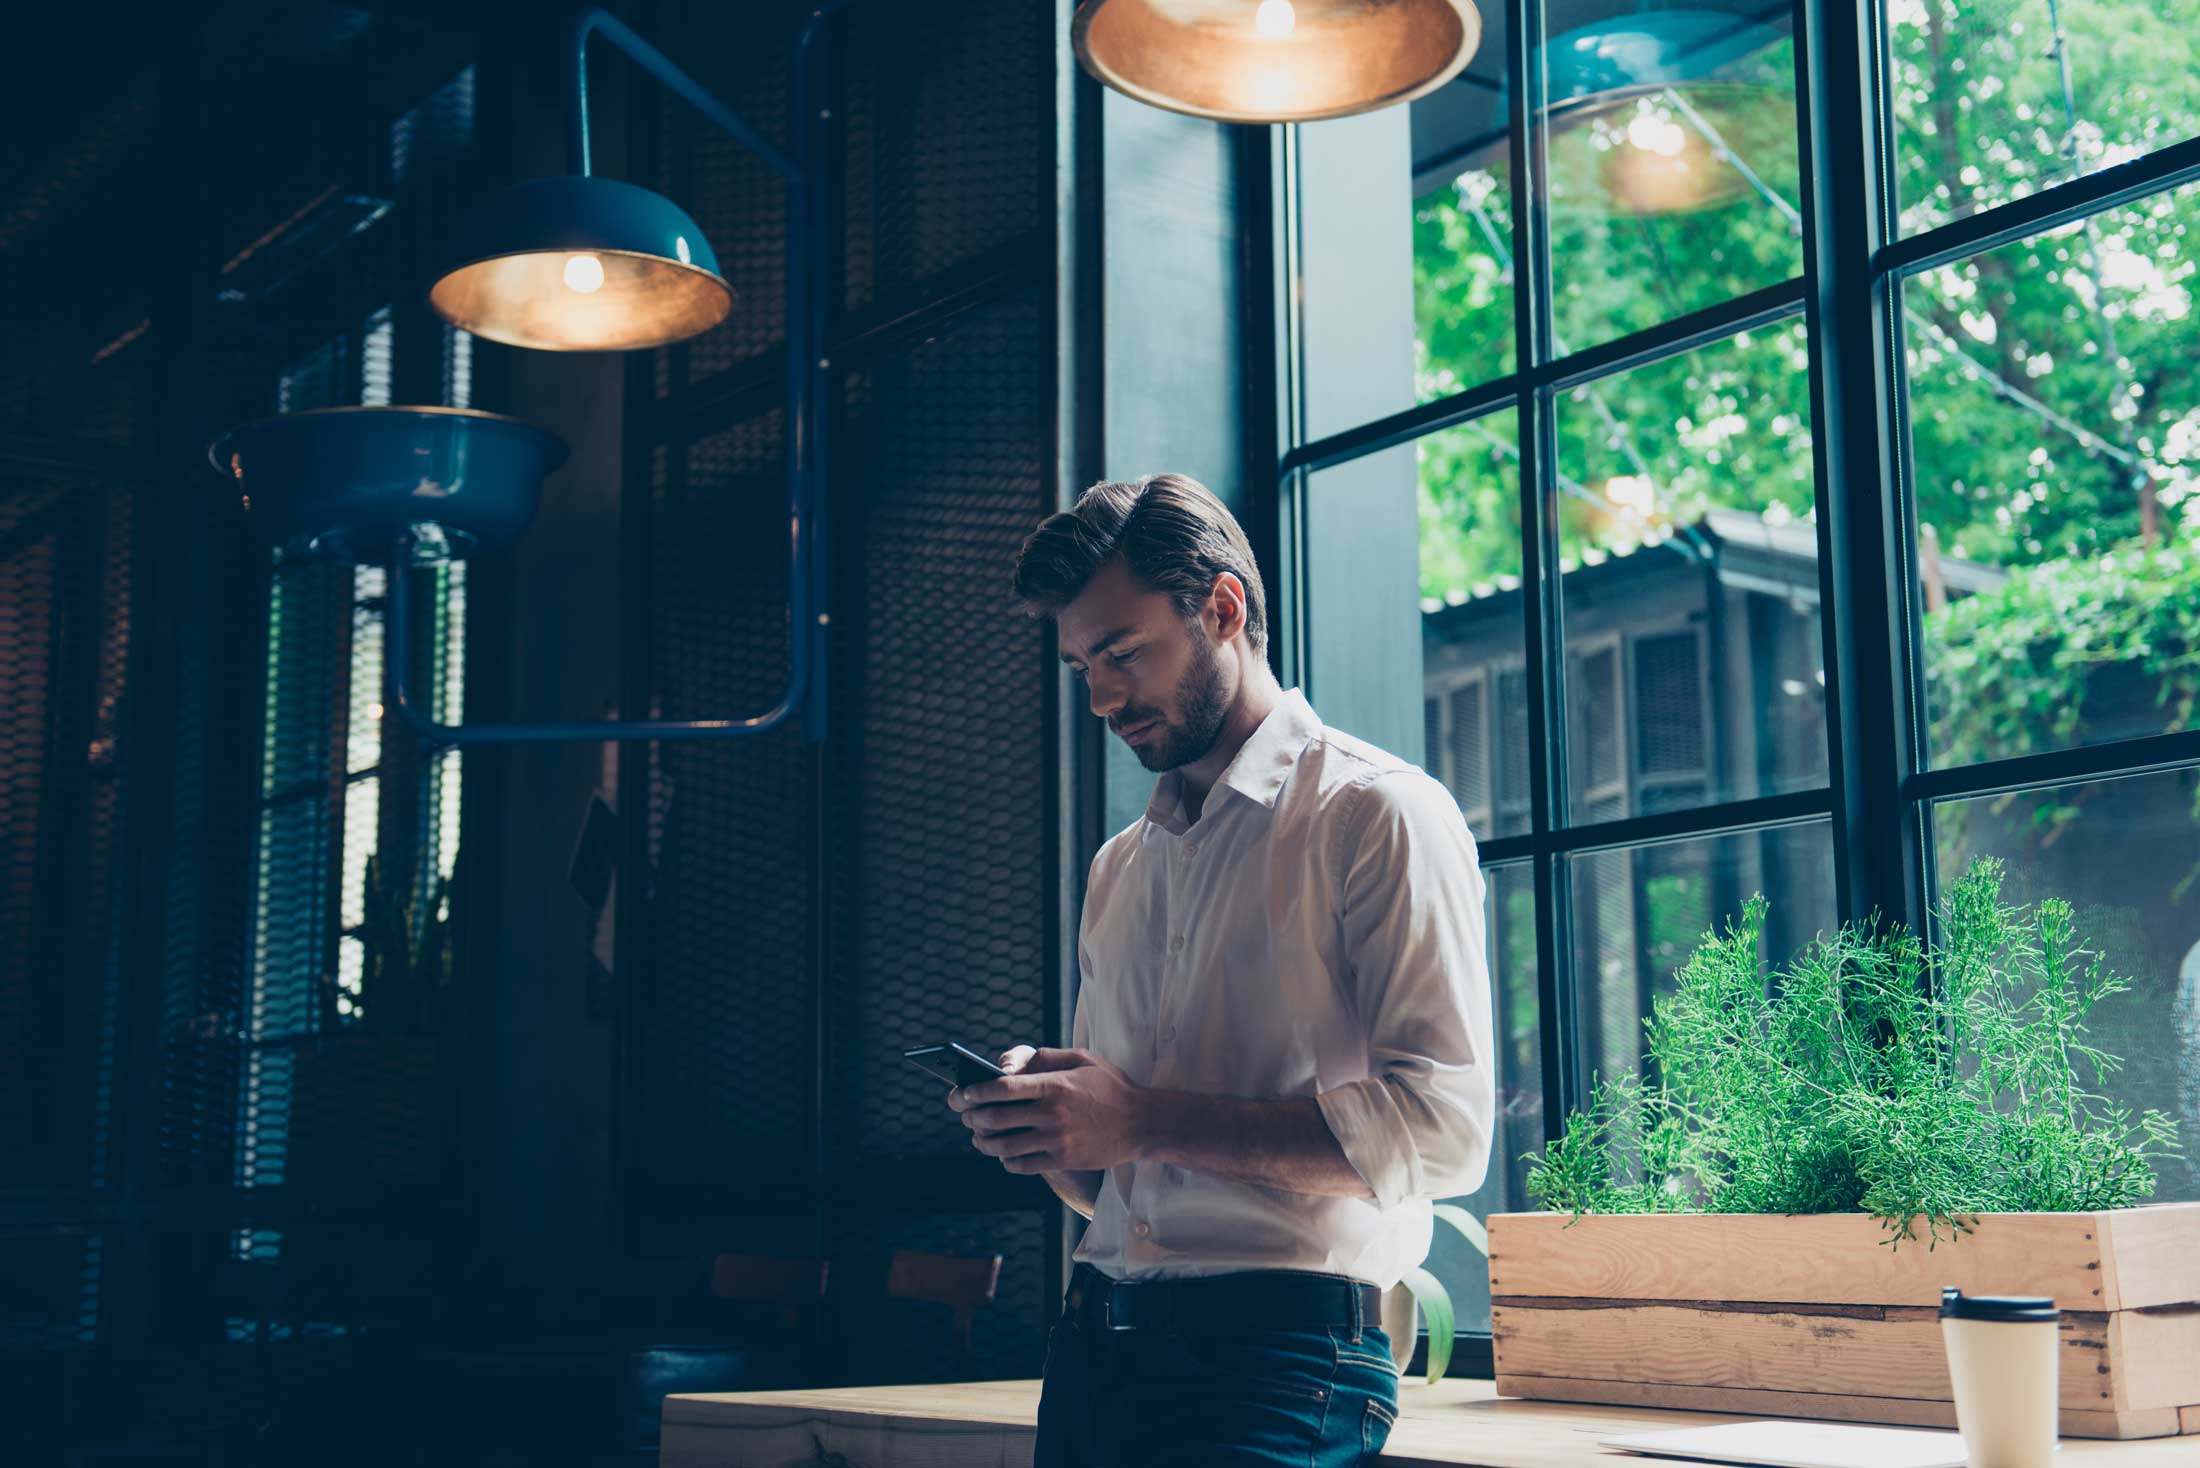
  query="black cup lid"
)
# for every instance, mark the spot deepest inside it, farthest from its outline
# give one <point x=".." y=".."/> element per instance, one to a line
<point x="1956" y="1305"/>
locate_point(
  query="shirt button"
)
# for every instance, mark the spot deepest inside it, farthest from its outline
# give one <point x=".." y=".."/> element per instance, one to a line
<point x="1191" y="848"/>
<point x="1144" y="1229"/>
<point x="1176" y="944"/>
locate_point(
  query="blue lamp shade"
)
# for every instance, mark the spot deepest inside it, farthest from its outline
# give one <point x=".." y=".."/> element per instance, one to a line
<point x="344" y="481"/>
<point x="1632" y="56"/>
<point x="581" y="264"/>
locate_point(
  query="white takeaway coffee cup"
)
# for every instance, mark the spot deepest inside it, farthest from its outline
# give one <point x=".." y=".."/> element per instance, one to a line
<point x="2001" y="1357"/>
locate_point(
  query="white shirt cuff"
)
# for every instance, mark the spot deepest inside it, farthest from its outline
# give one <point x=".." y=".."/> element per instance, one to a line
<point x="1364" y="1118"/>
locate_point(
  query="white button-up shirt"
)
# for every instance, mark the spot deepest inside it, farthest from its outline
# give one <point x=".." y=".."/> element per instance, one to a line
<point x="1318" y="931"/>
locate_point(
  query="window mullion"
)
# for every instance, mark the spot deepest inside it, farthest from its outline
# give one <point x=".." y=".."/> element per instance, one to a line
<point x="1870" y="628"/>
<point x="1539" y="561"/>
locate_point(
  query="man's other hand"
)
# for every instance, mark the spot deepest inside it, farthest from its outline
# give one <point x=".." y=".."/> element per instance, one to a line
<point x="1056" y="1111"/>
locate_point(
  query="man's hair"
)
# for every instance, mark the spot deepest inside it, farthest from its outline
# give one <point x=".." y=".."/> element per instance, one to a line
<point x="1169" y="529"/>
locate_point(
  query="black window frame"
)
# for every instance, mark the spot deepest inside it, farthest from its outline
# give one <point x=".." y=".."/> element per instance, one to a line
<point x="1880" y="789"/>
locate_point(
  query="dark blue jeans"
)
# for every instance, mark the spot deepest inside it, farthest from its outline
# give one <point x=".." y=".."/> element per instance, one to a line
<point x="1321" y="1398"/>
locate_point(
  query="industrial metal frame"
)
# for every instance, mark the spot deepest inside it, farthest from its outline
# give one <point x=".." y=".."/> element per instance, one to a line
<point x="1879" y="790"/>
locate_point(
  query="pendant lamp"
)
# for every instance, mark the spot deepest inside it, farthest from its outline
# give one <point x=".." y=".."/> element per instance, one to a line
<point x="574" y="263"/>
<point x="581" y="264"/>
<point x="1263" y="61"/>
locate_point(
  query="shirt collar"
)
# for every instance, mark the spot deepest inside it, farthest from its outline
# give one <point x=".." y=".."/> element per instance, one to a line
<point x="1263" y="762"/>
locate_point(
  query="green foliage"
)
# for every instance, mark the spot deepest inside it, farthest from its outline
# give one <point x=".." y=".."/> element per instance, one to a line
<point x="1870" y="1075"/>
<point x="2093" y="324"/>
<point x="1435" y="1301"/>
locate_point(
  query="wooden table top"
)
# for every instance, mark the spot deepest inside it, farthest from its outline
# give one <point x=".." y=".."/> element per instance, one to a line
<point x="1456" y="1422"/>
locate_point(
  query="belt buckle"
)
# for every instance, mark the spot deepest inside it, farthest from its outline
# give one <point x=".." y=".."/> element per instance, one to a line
<point x="1108" y="1322"/>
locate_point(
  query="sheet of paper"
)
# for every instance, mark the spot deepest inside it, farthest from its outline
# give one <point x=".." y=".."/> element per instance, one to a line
<point x="1800" y="1445"/>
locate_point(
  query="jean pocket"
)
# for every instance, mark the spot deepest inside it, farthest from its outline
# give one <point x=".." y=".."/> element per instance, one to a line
<point x="1294" y="1363"/>
<point x="1365" y="1361"/>
<point x="1376" y="1420"/>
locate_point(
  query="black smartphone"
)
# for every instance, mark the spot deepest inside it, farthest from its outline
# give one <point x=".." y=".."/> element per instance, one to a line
<point x="954" y="1063"/>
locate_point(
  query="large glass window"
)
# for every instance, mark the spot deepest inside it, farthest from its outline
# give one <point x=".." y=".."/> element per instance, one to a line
<point x="1655" y="462"/>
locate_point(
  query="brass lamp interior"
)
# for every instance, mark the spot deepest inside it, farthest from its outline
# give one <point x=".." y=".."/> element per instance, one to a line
<point x="1275" y="60"/>
<point x="582" y="300"/>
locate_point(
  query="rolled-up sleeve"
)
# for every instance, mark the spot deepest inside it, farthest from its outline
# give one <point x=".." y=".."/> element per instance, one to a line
<point x="1419" y="1126"/>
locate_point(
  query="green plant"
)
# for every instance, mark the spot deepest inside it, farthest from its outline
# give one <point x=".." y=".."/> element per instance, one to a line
<point x="1870" y="1074"/>
<point x="1434" y="1300"/>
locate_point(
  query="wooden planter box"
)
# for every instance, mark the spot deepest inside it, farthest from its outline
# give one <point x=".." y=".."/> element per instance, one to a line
<point x="1814" y="1316"/>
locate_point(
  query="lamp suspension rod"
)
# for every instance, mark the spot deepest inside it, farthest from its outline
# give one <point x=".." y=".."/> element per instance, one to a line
<point x="808" y="379"/>
<point x="420" y="719"/>
<point x="597" y="21"/>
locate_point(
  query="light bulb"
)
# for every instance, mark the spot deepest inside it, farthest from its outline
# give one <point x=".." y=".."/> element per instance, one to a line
<point x="1276" y="19"/>
<point x="583" y="273"/>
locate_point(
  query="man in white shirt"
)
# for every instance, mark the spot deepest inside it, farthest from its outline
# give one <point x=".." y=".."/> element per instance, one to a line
<point x="1281" y="1049"/>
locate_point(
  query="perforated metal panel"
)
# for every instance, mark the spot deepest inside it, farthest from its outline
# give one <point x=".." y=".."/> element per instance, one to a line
<point x="936" y="824"/>
<point x="742" y="53"/>
<point x="64" y="630"/>
<point x="942" y="102"/>
<point x="723" y="1022"/>
<point x="925" y="813"/>
<point x="27" y="616"/>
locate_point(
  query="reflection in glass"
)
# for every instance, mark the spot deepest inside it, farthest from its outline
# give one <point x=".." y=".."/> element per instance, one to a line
<point x="1674" y="171"/>
<point x="1674" y="182"/>
<point x="1473" y="656"/>
<point x="1689" y="557"/>
<point x="1509" y="911"/>
<point x="2055" y="422"/>
<point x="1639" y="912"/>
<point x="2125" y="854"/>
<point x="1997" y="99"/>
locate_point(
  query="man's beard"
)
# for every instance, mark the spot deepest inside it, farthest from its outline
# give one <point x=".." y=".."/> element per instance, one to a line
<point x="1205" y="701"/>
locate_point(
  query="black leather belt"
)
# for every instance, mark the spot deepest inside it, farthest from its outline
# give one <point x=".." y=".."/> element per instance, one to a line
<point x="1221" y="1304"/>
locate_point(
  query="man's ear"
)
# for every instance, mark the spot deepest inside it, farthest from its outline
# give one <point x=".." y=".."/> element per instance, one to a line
<point x="1227" y="603"/>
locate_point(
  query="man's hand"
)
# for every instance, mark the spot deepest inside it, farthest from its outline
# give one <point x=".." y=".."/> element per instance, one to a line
<point x="1056" y="1111"/>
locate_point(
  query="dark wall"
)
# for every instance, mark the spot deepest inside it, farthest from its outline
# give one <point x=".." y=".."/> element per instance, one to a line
<point x="200" y="1265"/>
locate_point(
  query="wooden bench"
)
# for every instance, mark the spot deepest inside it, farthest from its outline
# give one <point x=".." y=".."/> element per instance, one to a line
<point x="990" y="1424"/>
